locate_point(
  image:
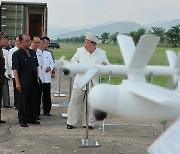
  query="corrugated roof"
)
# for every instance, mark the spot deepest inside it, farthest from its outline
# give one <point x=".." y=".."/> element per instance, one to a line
<point x="24" y="3"/>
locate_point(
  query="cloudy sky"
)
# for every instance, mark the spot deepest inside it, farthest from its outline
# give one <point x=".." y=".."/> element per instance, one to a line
<point x="69" y="13"/>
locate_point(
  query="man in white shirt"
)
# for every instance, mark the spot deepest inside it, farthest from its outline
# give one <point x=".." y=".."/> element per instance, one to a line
<point x="10" y="53"/>
<point x="3" y="41"/>
<point x="35" y="41"/>
<point x="46" y="65"/>
<point x="89" y="54"/>
<point x="10" y="44"/>
<point x="46" y="43"/>
<point x="6" y="98"/>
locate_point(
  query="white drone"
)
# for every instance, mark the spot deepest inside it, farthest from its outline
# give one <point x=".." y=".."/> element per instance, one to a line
<point x="135" y="99"/>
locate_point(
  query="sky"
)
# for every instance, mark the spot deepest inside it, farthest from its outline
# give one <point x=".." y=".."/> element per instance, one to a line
<point x="74" y="13"/>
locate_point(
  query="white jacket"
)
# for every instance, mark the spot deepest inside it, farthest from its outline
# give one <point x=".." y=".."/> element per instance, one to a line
<point x="44" y="60"/>
<point x="82" y="56"/>
<point x="10" y="53"/>
<point x="5" y="54"/>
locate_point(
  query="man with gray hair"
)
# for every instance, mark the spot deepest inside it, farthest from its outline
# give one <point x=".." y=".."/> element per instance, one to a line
<point x="25" y="69"/>
<point x="89" y="54"/>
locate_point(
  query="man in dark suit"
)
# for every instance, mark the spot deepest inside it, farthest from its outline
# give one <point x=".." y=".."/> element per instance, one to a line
<point x="24" y="65"/>
<point x="3" y="41"/>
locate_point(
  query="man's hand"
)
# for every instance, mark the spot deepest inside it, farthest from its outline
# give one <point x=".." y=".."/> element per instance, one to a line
<point x="9" y="76"/>
<point x="53" y="74"/>
<point x="104" y="63"/>
<point x="48" y="69"/>
<point x="18" y="86"/>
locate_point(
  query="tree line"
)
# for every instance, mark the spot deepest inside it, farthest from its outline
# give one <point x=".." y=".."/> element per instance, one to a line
<point x="171" y="37"/>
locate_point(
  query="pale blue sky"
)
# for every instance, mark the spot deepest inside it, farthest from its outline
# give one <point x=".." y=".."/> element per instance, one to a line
<point x="68" y="13"/>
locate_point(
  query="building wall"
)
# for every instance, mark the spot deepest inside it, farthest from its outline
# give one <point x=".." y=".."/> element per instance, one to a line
<point x="15" y="17"/>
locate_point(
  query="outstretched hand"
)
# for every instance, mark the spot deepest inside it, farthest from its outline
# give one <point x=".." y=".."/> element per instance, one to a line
<point x="104" y="63"/>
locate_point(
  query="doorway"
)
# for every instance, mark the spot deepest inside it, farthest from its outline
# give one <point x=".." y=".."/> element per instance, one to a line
<point x="35" y="24"/>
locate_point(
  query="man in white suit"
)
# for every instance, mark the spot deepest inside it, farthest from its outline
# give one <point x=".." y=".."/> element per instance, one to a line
<point x="89" y="54"/>
<point x="6" y="98"/>
<point x="10" y="53"/>
<point x="46" y="65"/>
<point x="35" y="41"/>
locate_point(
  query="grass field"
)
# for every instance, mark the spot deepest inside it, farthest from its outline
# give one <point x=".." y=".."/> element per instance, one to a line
<point x="115" y="57"/>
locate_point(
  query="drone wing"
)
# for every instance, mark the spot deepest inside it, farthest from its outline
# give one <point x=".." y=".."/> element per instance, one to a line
<point x="156" y="94"/>
<point x="127" y="47"/>
<point x="139" y="56"/>
<point x="144" y="51"/>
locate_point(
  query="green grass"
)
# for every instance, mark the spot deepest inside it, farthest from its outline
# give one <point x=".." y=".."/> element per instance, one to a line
<point x="66" y="49"/>
<point x="115" y="57"/>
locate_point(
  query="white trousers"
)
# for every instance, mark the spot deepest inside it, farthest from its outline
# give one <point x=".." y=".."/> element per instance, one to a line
<point x="76" y="109"/>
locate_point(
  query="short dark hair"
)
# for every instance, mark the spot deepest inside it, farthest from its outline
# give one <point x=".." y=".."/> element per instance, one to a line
<point x="46" y="38"/>
<point x="32" y="37"/>
<point x="10" y="39"/>
<point x="15" y="37"/>
<point x="93" y="42"/>
<point x="41" y="38"/>
<point x="21" y="37"/>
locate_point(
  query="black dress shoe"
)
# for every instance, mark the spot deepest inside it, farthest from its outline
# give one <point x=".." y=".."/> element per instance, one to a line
<point x="34" y="122"/>
<point x="47" y="114"/>
<point x="2" y="121"/>
<point x="23" y="125"/>
<point x="70" y="126"/>
<point x="8" y="106"/>
<point x="90" y="127"/>
<point x="15" y="108"/>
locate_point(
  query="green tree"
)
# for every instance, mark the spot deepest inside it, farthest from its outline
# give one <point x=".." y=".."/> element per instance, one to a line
<point x="82" y="38"/>
<point x="159" y="32"/>
<point x="173" y="36"/>
<point x="113" y="38"/>
<point x="105" y="37"/>
<point x="137" y="34"/>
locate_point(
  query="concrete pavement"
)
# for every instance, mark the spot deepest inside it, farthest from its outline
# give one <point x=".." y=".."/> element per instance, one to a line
<point x="52" y="137"/>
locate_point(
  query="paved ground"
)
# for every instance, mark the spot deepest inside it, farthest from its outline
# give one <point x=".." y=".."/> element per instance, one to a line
<point x="51" y="136"/>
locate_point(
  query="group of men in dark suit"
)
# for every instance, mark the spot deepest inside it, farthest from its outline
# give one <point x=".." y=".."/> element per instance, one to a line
<point x="25" y="70"/>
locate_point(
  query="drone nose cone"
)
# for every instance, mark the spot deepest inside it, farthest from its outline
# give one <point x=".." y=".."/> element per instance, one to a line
<point x="103" y="97"/>
<point x="66" y="71"/>
<point x="100" y="115"/>
<point x="96" y="96"/>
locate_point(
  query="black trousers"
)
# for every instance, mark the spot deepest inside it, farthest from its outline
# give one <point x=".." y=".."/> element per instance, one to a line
<point x="27" y="101"/>
<point x="38" y="99"/>
<point x="44" y="95"/>
<point x="0" y="99"/>
<point x="16" y="94"/>
<point x="6" y="98"/>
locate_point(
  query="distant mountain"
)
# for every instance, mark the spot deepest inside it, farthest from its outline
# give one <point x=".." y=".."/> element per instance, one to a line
<point x="111" y="27"/>
<point x="154" y="24"/>
<point x="53" y="31"/>
<point x="91" y="26"/>
<point x="165" y="24"/>
<point x="121" y="27"/>
<point x="170" y="24"/>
